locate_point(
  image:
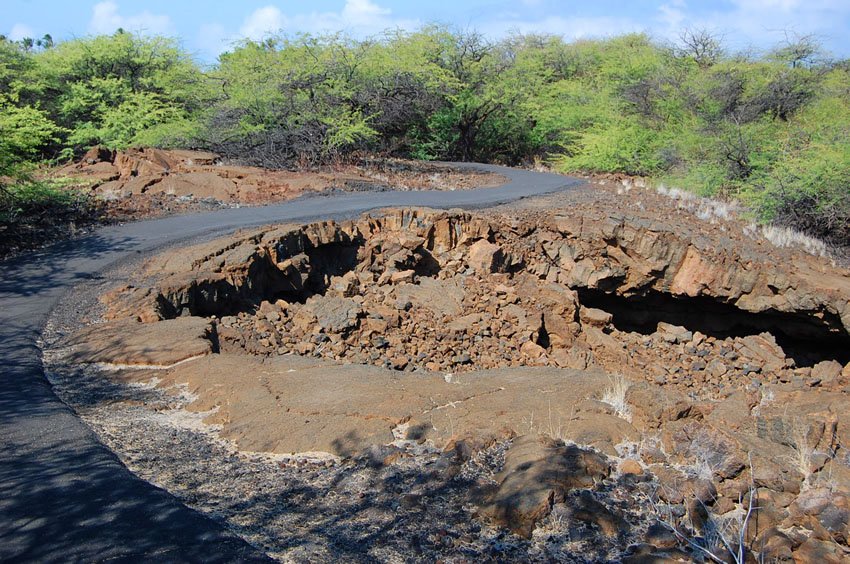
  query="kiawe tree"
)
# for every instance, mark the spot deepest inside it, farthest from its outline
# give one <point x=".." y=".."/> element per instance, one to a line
<point x="121" y="89"/>
<point x="769" y="130"/>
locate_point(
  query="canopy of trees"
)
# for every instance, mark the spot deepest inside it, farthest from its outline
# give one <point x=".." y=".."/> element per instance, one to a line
<point x="772" y="130"/>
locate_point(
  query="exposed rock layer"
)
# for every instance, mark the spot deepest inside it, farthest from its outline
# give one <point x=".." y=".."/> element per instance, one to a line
<point x="704" y="412"/>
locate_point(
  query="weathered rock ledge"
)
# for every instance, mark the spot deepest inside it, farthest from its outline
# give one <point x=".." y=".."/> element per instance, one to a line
<point x="466" y="334"/>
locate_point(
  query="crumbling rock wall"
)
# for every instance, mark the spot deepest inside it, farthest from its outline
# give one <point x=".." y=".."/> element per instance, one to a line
<point x="712" y="412"/>
<point x="537" y="263"/>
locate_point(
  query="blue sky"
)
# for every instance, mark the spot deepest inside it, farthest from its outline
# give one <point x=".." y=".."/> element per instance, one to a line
<point x="207" y="28"/>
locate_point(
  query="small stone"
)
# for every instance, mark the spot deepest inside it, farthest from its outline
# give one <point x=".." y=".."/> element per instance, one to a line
<point x="595" y="317"/>
<point x="405" y="276"/>
<point x="631" y="466"/>
<point x="462" y="358"/>
<point x="717" y="368"/>
<point x="399" y="362"/>
<point x="380" y="342"/>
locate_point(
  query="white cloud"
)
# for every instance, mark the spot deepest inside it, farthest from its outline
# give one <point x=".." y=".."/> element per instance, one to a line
<point x="19" y="31"/>
<point x="569" y="28"/>
<point x="672" y="15"/>
<point x="364" y="11"/>
<point x="760" y="23"/>
<point x="261" y="22"/>
<point x="106" y="19"/>
<point x="762" y="5"/>
<point x="213" y="39"/>
<point x="358" y="17"/>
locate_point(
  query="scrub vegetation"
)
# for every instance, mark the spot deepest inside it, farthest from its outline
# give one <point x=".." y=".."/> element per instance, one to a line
<point x="771" y="130"/>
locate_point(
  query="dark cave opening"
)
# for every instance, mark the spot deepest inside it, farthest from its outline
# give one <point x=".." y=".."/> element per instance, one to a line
<point x="805" y="337"/>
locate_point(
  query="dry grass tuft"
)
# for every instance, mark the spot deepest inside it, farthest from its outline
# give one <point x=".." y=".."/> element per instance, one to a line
<point x="615" y="396"/>
<point x="785" y="237"/>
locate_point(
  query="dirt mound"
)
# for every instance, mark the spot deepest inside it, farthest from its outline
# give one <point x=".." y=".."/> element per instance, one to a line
<point x="625" y="381"/>
<point x="144" y="182"/>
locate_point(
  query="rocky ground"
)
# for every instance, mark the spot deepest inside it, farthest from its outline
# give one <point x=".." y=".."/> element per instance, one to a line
<point x="146" y="182"/>
<point x="606" y="374"/>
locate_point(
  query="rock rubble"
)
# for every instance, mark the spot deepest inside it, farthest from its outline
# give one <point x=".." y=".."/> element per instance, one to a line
<point x="592" y="356"/>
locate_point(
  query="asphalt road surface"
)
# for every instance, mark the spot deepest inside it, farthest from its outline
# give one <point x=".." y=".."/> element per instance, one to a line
<point x="63" y="495"/>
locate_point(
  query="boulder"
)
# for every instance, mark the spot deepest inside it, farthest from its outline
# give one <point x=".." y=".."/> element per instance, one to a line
<point x="537" y="473"/>
<point x="820" y="551"/>
<point x="764" y="350"/>
<point x="673" y="333"/>
<point x="334" y="314"/>
<point x="485" y="257"/>
<point x="827" y="373"/>
<point x="595" y="317"/>
<point x="532" y="350"/>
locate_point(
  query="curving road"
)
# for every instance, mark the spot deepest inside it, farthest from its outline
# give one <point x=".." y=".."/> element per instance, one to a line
<point x="63" y="495"/>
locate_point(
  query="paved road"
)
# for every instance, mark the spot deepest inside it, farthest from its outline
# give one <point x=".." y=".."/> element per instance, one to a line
<point x="63" y="495"/>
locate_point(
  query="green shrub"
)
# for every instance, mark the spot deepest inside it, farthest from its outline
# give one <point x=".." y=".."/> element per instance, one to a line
<point x="770" y="130"/>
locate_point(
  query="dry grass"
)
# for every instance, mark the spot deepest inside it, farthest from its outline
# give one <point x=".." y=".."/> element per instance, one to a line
<point x="785" y="237"/>
<point x="615" y="396"/>
<point x="712" y="210"/>
<point x="720" y="538"/>
<point x="803" y="451"/>
<point x="706" y="209"/>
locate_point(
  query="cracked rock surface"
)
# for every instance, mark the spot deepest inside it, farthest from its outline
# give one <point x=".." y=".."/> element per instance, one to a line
<point x="568" y="378"/>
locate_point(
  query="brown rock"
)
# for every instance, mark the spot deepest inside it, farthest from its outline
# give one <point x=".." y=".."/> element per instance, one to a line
<point x="346" y="285"/>
<point x="532" y="351"/>
<point x="403" y="277"/>
<point x="574" y="357"/>
<point x="584" y="507"/>
<point x="197" y="184"/>
<point x="538" y="472"/>
<point x="830" y="508"/>
<point x="652" y="407"/>
<point x="630" y="466"/>
<point x="600" y="341"/>
<point x="334" y="314"/>
<point x="763" y="349"/>
<point x="775" y="546"/>
<point x="674" y="333"/>
<point x="827" y="373"/>
<point x="163" y="343"/>
<point x="98" y="154"/>
<point x="820" y="551"/>
<point x="595" y="317"/>
<point x="677" y="487"/>
<point x="660" y="536"/>
<point x="440" y="297"/>
<point x="485" y="257"/>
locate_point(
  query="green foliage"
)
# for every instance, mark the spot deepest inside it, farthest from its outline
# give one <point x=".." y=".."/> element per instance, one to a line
<point x="23" y="133"/>
<point x="34" y="212"/>
<point x="111" y="90"/>
<point x="773" y="131"/>
<point x="29" y="197"/>
<point x="622" y="146"/>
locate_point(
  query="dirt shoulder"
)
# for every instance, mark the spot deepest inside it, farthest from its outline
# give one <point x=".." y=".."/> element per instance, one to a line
<point x="120" y="186"/>
<point x="145" y="183"/>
